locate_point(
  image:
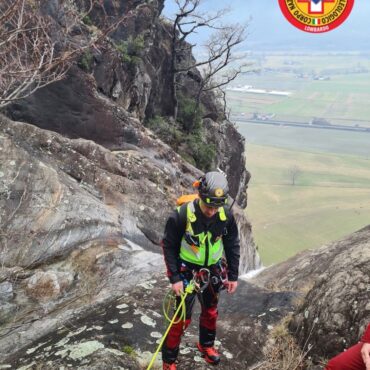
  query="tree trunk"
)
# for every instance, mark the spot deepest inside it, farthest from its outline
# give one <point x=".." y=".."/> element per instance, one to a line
<point x="174" y="72"/>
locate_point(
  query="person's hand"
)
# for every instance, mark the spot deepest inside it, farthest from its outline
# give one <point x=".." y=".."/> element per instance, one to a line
<point x="231" y="287"/>
<point x="178" y="288"/>
<point x="365" y="353"/>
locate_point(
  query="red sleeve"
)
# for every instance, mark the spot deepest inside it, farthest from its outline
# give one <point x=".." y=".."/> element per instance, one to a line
<point x="366" y="337"/>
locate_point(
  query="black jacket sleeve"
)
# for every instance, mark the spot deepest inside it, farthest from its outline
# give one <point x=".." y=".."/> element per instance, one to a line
<point x="171" y="246"/>
<point x="232" y="248"/>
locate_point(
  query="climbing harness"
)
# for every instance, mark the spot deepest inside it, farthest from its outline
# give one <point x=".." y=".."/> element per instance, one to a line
<point x="199" y="283"/>
<point x="201" y="280"/>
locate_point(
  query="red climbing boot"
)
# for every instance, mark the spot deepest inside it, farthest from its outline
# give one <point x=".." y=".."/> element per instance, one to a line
<point x="210" y="354"/>
<point x="169" y="366"/>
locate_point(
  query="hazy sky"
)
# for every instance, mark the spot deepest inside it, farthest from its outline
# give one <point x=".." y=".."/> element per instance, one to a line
<point x="268" y="29"/>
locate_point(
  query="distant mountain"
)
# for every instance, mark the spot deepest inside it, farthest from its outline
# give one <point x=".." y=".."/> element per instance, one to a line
<point x="269" y="30"/>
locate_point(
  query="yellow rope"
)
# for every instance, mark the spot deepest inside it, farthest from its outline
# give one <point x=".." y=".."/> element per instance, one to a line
<point x="168" y="300"/>
<point x="189" y="289"/>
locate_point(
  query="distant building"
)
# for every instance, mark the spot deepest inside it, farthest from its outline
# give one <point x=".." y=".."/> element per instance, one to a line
<point x="263" y="116"/>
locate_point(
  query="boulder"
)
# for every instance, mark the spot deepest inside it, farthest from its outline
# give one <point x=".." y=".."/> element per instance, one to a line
<point x="334" y="286"/>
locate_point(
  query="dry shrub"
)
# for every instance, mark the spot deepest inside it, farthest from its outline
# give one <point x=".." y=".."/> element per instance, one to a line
<point x="282" y="352"/>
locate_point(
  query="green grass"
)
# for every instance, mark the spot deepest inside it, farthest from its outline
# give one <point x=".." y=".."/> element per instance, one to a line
<point x="333" y="100"/>
<point x="331" y="199"/>
<point x="306" y="139"/>
<point x="343" y="99"/>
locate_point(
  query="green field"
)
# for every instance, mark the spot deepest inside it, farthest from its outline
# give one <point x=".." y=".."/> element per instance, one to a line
<point x="331" y="198"/>
<point x="306" y="139"/>
<point x="331" y="195"/>
<point x="342" y="98"/>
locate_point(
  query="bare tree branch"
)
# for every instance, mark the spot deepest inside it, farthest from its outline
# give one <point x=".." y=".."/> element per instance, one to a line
<point x="219" y="49"/>
<point x="36" y="49"/>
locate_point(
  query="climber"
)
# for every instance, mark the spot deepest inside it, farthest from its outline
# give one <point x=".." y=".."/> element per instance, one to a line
<point x="195" y="238"/>
<point x="356" y="357"/>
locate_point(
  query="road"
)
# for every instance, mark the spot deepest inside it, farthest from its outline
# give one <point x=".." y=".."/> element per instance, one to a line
<point x="238" y="118"/>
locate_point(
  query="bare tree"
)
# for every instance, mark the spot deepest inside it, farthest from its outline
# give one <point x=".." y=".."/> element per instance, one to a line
<point x="220" y="57"/>
<point x="220" y="47"/>
<point x="294" y="172"/>
<point x="36" y="49"/>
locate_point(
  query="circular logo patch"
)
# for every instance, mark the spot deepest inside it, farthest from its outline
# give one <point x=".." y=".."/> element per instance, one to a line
<point x="316" y="16"/>
<point x="219" y="192"/>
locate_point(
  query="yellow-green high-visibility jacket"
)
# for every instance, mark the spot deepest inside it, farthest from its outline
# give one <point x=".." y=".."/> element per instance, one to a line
<point x="186" y="225"/>
<point x="202" y="247"/>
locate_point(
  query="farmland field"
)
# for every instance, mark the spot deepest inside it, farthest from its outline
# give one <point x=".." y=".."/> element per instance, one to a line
<point x="333" y="87"/>
<point x="330" y="199"/>
<point x="305" y="139"/>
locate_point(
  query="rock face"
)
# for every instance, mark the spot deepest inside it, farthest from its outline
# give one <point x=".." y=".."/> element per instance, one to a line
<point x="127" y="331"/>
<point x="48" y="285"/>
<point x="230" y="157"/>
<point x="98" y="100"/>
<point x="249" y="257"/>
<point x="334" y="282"/>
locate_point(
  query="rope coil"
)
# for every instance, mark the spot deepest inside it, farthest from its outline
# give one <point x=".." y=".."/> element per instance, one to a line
<point x="199" y="283"/>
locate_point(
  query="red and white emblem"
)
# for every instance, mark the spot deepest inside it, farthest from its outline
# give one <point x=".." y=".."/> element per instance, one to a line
<point x="316" y="16"/>
<point x="316" y="6"/>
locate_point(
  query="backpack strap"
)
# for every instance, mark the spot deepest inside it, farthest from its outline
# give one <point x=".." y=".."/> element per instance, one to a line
<point x="187" y="216"/>
<point x="182" y="210"/>
<point x="227" y="211"/>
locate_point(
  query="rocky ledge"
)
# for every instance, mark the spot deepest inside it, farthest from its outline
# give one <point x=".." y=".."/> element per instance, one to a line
<point x="126" y="332"/>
